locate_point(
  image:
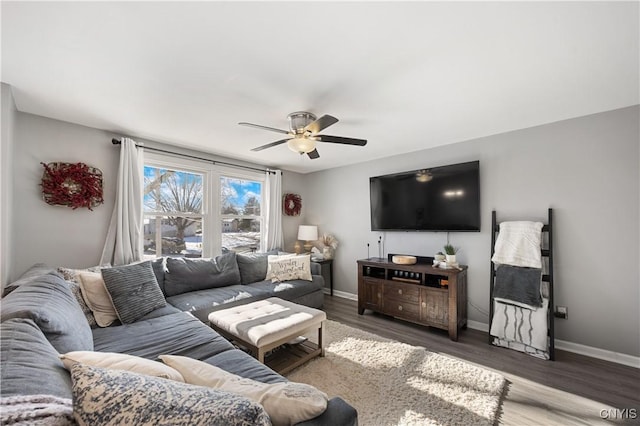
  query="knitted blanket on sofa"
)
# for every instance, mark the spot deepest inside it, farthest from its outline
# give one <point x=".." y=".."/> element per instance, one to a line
<point x="45" y="410"/>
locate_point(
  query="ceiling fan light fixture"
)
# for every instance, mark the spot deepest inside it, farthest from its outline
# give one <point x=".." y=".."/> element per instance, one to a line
<point x="423" y="176"/>
<point x="301" y="144"/>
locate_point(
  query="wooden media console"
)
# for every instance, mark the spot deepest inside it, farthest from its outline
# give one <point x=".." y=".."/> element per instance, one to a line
<point x="418" y="293"/>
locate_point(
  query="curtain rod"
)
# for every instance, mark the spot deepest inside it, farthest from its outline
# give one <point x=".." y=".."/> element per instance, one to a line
<point x="117" y="142"/>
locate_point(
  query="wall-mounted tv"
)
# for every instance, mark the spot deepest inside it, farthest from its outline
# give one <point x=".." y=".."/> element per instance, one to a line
<point x="445" y="198"/>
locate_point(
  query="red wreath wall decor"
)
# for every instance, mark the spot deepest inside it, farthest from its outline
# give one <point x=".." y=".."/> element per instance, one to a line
<point x="72" y="184"/>
<point x="292" y="204"/>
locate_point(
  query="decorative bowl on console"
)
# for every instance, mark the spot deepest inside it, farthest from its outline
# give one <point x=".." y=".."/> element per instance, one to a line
<point x="404" y="260"/>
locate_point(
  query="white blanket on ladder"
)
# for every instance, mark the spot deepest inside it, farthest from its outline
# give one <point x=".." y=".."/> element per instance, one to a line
<point x="518" y="244"/>
<point x="521" y="329"/>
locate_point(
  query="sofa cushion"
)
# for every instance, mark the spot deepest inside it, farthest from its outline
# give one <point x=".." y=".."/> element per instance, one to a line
<point x="134" y="290"/>
<point x="202" y="302"/>
<point x="102" y="396"/>
<point x="286" y="403"/>
<point x="118" y="361"/>
<point x="289" y="290"/>
<point x="242" y="364"/>
<point x="201" y="299"/>
<point x="34" y="271"/>
<point x="253" y="266"/>
<point x="160" y="312"/>
<point x="183" y="275"/>
<point x="96" y="297"/>
<point x="48" y="301"/>
<point x="287" y="267"/>
<point x="29" y="365"/>
<point x="175" y="334"/>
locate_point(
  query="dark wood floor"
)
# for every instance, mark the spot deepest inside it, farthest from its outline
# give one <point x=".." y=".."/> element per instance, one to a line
<point x="574" y="389"/>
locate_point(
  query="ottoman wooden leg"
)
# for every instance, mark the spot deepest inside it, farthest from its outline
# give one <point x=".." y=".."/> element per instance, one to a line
<point x="260" y="354"/>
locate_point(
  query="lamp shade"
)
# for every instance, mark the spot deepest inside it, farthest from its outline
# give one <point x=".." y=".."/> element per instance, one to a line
<point x="308" y="232"/>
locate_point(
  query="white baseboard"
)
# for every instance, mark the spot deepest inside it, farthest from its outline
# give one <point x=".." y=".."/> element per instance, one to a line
<point x="629" y="360"/>
<point x="563" y="345"/>
<point x="590" y="351"/>
<point x="476" y="325"/>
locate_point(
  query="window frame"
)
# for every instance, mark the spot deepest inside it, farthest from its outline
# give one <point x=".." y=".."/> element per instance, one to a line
<point x="212" y="196"/>
<point x="233" y="173"/>
<point x="189" y="166"/>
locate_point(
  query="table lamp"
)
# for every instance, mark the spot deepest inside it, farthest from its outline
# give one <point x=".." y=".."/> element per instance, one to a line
<point x="307" y="233"/>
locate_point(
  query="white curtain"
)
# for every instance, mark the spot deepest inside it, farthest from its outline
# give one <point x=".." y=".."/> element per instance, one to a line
<point x="123" y="244"/>
<point x="273" y="206"/>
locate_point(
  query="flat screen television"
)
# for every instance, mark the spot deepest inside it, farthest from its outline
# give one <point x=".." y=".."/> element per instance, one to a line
<point x="445" y="198"/>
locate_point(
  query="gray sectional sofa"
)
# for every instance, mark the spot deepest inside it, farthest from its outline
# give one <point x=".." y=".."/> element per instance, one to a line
<point x="42" y="318"/>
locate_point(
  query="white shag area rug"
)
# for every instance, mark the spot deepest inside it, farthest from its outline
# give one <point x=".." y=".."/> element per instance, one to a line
<point x="393" y="383"/>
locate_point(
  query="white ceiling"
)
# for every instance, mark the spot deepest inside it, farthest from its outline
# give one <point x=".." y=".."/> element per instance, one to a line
<point x="403" y="75"/>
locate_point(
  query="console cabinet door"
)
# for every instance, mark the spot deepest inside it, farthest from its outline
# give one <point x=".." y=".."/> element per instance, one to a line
<point x="372" y="294"/>
<point x="434" y="307"/>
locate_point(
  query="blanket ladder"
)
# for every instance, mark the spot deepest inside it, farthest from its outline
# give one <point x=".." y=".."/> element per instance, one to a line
<point x="548" y="277"/>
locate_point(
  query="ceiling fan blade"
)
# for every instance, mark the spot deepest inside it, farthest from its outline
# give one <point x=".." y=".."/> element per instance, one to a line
<point x="320" y="124"/>
<point x="258" y="126"/>
<point x="340" y="139"/>
<point x="269" y="145"/>
<point x="313" y="154"/>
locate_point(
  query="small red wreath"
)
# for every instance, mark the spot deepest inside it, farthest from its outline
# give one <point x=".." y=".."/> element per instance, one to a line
<point x="292" y="204"/>
<point x="72" y="184"/>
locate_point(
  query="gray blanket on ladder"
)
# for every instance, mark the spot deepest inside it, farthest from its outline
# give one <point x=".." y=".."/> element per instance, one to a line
<point x="518" y="286"/>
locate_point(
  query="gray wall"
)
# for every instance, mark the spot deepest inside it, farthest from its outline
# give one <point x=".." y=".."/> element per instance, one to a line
<point x="9" y="113"/>
<point x="58" y="235"/>
<point x="294" y="183"/>
<point x="586" y="169"/>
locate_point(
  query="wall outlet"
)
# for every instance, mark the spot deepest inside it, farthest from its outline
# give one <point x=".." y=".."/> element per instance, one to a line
<point x="561" y="312"/>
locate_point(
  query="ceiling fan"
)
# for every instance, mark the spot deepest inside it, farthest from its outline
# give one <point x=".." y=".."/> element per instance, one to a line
<point x="303" y="134"/>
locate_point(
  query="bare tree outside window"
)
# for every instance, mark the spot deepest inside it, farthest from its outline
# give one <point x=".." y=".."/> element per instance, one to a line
<point x="173" y="202"/>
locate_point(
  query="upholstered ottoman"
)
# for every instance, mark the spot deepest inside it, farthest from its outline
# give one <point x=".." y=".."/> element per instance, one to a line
<point x="268" y="324"/>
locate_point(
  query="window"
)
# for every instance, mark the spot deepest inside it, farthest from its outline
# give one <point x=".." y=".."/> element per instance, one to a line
<point x="197" y="209"/>
<point x="173" y="212"/>
<point x="240" y="214"/>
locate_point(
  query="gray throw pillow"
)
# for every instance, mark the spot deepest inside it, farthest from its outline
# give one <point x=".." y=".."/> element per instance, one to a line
<point x="29" y="364"/>
<point x="253" y="266"/>
<point x="49" y="302"/>
<point x="183" y="275"/>
<point x="103" y="396"/>
<point x="134" y="290"/>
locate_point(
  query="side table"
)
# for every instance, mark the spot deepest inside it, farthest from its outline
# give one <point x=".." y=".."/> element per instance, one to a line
<point x="327" y="264"/>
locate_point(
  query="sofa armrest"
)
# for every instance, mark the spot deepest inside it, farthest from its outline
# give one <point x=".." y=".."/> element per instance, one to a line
<point x="316" y="268"/>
